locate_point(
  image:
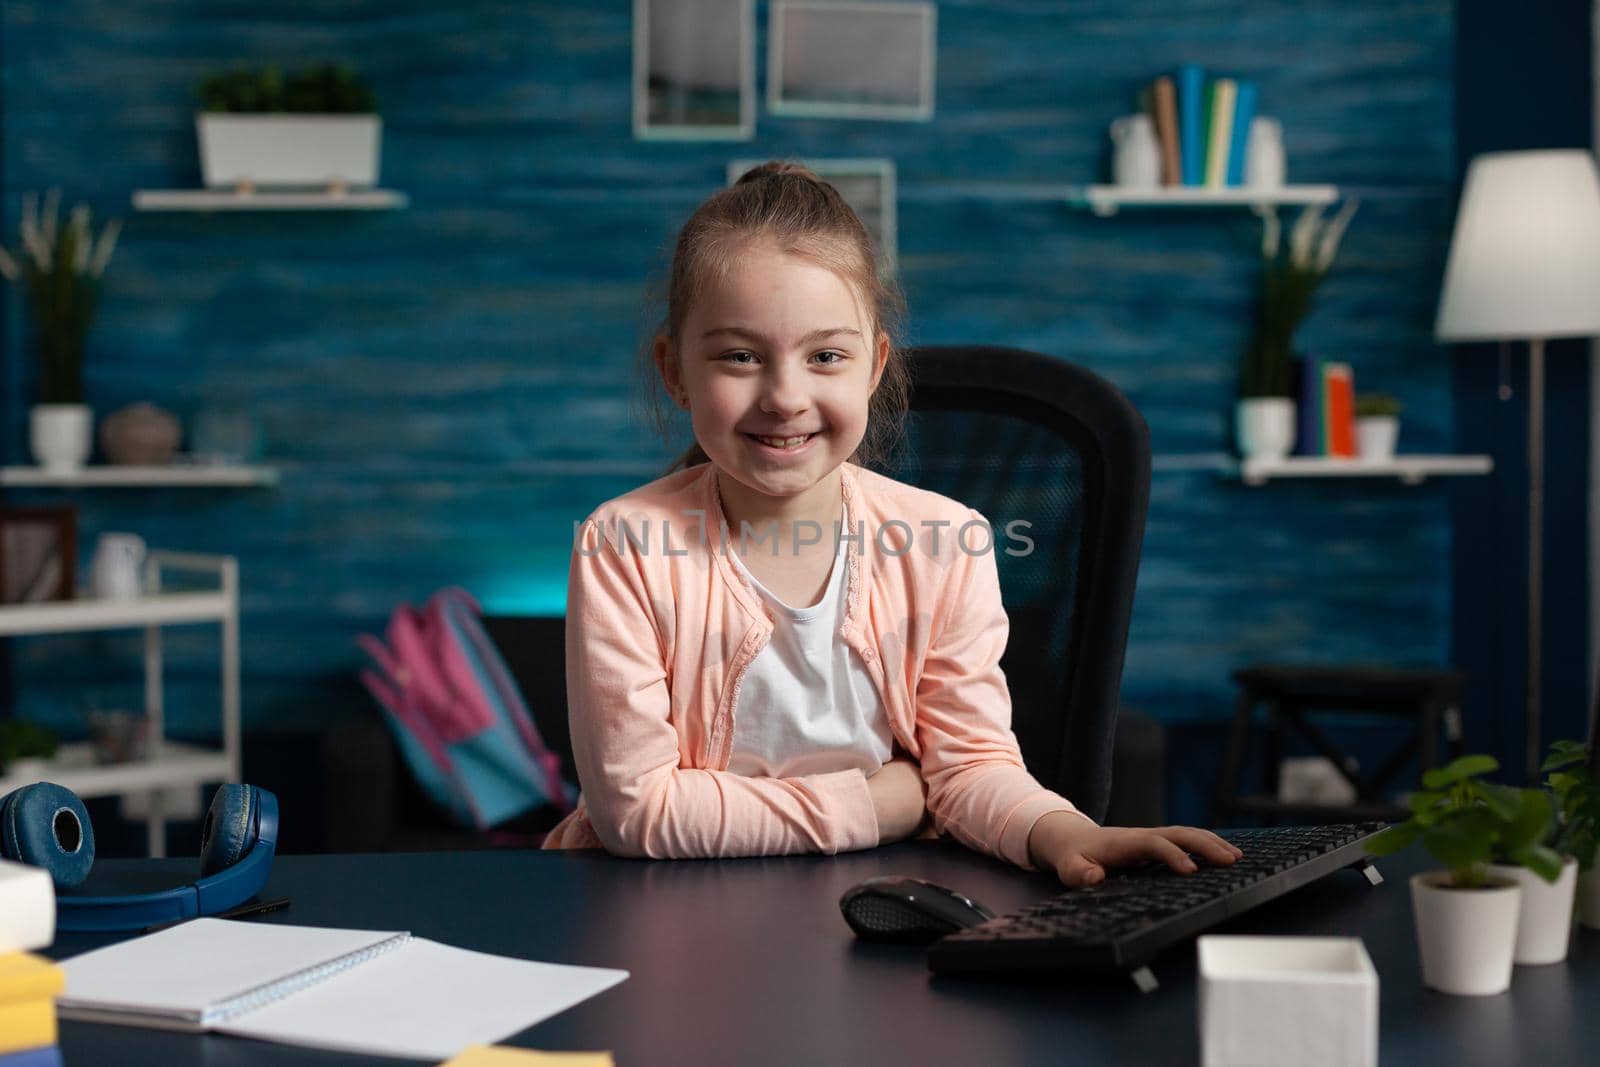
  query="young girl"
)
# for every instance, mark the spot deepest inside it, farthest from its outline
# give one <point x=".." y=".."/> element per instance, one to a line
<point x="772" y="649"/>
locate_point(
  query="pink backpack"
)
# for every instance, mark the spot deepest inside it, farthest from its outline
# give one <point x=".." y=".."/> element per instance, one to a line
<point x="457" y="714"/>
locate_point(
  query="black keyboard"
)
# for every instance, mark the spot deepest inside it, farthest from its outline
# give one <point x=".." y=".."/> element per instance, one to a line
<point x="1127" y="919"/>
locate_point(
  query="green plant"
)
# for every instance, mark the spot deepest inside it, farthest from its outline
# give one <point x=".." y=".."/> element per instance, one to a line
<point x="1378" y="405"/>
<point x="1577" y="801"/>
<point x="61" y="265"/>
<point x="1466" y="823"/>
<point x="1289" y="280"/>
<point x="25" y="740"/>
<point x="332" y="89"/>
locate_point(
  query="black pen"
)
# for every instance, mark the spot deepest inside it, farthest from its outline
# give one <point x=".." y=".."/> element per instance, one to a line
<point x="258" y="907"/>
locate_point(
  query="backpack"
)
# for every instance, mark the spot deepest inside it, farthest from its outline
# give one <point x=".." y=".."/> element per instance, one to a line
<point x="458" y="716"/>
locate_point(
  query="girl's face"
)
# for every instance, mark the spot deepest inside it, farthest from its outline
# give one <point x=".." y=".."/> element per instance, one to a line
<point x="780" y="349"/>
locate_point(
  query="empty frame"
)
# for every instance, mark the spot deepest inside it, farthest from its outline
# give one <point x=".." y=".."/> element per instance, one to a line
<point x="844" y="59"/>
<point x="694" y="70"/>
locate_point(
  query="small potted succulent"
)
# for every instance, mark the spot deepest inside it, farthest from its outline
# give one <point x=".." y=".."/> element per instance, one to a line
<point x="60" y="265"/>
<point x="1377" y="426"/>
<point x="1577" y="797"/>
<point x="1467" y="915"/>
<point x="1264" y="418"/>
<point x="314" y="128"/>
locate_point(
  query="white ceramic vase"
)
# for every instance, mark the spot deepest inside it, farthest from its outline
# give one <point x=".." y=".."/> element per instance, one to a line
<point x="289" y="150"/>
<point x="1544" y="921"/>
<point x="1376" y="436"/>
<point x="1136" y="156"/>
<point x="59" y="437"/>
<point x="1465" y="937"/>
<point x="1264" y="427"/>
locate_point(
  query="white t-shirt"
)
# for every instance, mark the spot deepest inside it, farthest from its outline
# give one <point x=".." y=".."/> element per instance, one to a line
<point x="807" y="704"/>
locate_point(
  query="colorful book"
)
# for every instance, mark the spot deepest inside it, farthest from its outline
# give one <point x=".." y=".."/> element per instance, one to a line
<point x="1164" y="106"/>
<point x="1219" y="133"/>
<point x="1339" y="410"/>
<point x="1244" y="112"/>
<point x="27" y="1024"/>
<point x="1191" y="84"/>
<point x="26" y="977"/>
<point x="48" y="1056"/>
<point x="1308" y="421"/>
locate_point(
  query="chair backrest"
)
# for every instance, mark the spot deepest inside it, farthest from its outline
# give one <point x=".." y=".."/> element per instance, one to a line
<point x="1023" y="436"/>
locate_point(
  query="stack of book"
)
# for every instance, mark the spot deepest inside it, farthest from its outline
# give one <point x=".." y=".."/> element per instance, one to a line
<point x="1203" y="126"/>
<point x="28" y="988"/>
<point x="29" y="984"/>
<point x="1325" y="416"/>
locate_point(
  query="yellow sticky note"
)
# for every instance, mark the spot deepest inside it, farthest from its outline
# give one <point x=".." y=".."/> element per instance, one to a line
<point x="27" y="1024"/>
<point x="500" y="1056"/>
<point x="24" y="976"/>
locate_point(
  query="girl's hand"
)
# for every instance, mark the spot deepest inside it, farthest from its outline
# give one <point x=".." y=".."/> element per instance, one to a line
<point x="1080" y="852"/>
<point x="899" y="797"/>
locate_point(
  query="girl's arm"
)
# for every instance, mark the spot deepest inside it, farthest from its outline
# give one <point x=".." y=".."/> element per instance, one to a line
<point x="979" y="791"/>
<point x="626" y="749"/>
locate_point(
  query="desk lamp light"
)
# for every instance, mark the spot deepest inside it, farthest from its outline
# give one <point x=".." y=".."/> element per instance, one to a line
<point x="1525" y="266"/>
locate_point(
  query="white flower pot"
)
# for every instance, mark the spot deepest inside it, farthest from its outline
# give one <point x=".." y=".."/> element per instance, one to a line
<point x="289" y="150"/>
<point x="1544" y="921"/>
<point x="1589" y="897"/>
<point x="1465" y="937"/>
<point x="1264" y="427"/>
<point x="1376" y="436"/>
<point x="59" y="436"/>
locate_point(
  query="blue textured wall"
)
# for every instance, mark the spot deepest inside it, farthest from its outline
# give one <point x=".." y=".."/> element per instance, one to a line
<point x="449" y="387"/>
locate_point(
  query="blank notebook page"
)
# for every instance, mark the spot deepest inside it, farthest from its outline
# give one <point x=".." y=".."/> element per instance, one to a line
<point x="180" y="971"/>
<point x="423" y="1000"/>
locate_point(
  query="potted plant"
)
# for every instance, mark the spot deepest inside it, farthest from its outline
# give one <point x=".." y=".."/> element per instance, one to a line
<point x="1264" y="417"/>
<point x="1577" y="797"/>
<point x="314" y="128"/>
<point x="61" y="267"/>
<point x="1377" y="426"/>
<point x="1466" y="915"/>
<point x="24" y="747"/>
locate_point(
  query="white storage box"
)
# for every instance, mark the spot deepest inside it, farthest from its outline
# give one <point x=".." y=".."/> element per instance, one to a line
<point x="267" y="151"/>
<point x="1280" y="1001"/>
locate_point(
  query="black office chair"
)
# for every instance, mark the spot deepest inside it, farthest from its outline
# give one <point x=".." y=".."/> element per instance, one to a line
<point x="1019" y="435"/>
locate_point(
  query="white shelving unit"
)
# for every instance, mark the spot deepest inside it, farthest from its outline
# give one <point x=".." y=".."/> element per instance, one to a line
<point x="1106" y="200"/>
<point x="197" y="475"/>
<point x="233" y="200"/>
<point x="1411" y="470"/>
<point x="166" y="763"/>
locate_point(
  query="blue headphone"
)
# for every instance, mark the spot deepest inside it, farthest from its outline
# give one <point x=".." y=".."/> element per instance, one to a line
<point x="46" y="825"/>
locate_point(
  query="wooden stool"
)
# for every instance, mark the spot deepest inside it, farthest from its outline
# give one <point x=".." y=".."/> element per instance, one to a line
<point x="1432" y="698"/>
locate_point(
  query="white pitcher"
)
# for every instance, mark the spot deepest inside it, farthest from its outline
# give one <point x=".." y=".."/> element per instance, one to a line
<point x="1136" y="156"/>
<point x="117" y="570"/>
<point x="1264" y="163"/>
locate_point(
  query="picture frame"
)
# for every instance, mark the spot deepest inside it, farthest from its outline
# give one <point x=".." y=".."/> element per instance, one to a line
<point x="868" y="186"/>
<point x="851" y="59"/>
<point x="38" y="554"/>
<point x="694" y="70"/>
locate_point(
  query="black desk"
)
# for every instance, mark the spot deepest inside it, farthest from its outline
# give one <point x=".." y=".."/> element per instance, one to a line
<point x="749" y="962"/>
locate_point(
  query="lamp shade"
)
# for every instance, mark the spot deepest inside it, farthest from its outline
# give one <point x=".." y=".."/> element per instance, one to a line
<point x="1525" y="257"/>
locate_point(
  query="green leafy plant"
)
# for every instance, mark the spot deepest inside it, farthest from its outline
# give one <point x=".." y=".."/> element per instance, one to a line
<point x="1577" y="801"/>
<point x="1378" y="405"/>
<point x="330" y="89"/>
<point x="1467" y="823"/>
<point x="1289" y="280"/>
<point x="25" y="740"/>
<point x="61" y="267"/>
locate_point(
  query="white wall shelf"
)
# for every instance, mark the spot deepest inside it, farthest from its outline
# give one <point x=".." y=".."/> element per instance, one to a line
<point x="1411" y="470"/>
<point x="1106" y="200"/>
<point x="231" y="200"/>
<point x="177" y="475"/>
<point x="168" y="764"/>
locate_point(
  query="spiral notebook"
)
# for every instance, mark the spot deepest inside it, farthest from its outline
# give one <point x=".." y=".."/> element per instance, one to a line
<point x="366" y="991"/>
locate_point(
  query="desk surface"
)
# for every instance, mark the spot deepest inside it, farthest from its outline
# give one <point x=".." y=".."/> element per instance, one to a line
<point x="748" y="961"/>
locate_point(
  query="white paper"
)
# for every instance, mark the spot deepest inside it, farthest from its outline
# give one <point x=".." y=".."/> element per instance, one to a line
<point x="177" y="973"/>
<point x="27" y="907"/>
<point x="424" y="1001"/>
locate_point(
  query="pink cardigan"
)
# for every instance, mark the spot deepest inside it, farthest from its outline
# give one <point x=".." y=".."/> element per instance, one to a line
<point x="660" y="630"/>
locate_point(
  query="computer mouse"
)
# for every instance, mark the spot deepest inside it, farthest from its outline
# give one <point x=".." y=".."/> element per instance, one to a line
<point x="908" y="910"/>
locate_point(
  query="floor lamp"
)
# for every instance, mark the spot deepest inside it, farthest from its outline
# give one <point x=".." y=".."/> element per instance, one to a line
<point x="1525" y="266"/>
